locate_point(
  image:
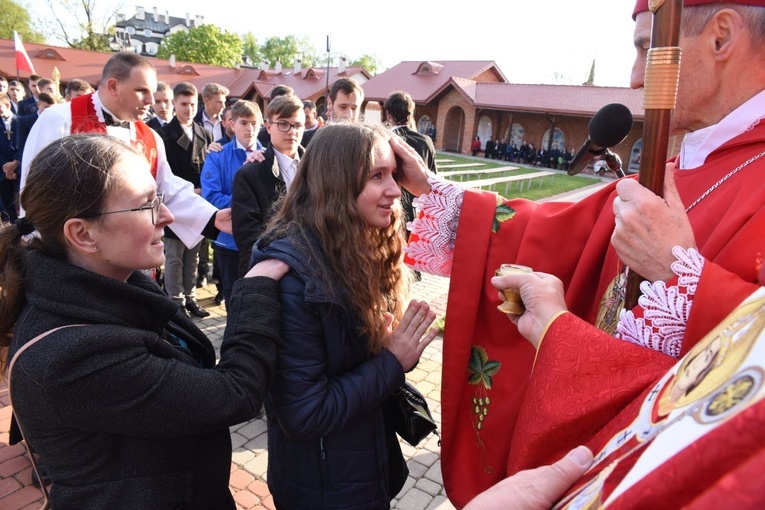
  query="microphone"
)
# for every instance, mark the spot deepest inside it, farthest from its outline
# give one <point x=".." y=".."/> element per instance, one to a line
<point x="609" y="127"/>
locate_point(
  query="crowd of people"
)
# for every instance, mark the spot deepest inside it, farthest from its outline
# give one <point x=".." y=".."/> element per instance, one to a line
<point x="316" y="229"/>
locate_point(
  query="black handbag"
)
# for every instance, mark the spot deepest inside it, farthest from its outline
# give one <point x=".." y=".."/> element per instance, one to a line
<point x="409" y="413"/>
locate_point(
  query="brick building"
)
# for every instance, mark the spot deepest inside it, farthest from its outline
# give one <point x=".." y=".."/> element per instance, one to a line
<point x="464" y="99"/>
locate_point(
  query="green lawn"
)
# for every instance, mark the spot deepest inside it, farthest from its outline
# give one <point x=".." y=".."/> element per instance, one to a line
<point x="553" y="185"/>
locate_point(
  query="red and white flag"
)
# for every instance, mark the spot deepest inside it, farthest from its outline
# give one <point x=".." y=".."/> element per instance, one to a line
<point x="23" y="62"/>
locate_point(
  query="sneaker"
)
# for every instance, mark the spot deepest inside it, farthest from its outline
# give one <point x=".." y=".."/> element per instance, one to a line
<point x="201" y="281"/>
<point x="218" y="298"/>
<point x="197" y="311"/>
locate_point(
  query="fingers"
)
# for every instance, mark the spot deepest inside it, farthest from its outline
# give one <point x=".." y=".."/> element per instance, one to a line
<point x="388" y="322"/>
<point x="671" y="196"/>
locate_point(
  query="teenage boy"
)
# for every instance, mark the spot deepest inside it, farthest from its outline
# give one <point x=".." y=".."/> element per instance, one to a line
<point x="186" y="147"/>
<point x="162" y="107"/>
<point x="218" y="183"/>
<point x="9" y="177"/>
<point x="260" y="184"/>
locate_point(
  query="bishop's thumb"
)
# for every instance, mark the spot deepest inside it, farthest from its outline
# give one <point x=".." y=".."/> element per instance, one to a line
<point x="671" y="195"/>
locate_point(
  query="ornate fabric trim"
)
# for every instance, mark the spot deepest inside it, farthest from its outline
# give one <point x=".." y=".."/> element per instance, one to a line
<point x="665" y="308"/>
<point x="435" y="227"/>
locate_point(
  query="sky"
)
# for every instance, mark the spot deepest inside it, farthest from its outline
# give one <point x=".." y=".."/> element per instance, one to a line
<point x="537" y="41"/>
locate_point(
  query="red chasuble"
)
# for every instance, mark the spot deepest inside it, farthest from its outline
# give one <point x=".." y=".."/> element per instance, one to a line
<point x="85" y="120"/>
<point x="487" y="363"/>
<point x="693" y="435"/>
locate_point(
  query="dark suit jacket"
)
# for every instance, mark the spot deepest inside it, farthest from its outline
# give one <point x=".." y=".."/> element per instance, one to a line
<point x="25" y="126"/>
<point x="257" y="188"/>
<point x="155" y="124"/>
<point x="8" y="146"/>
<point x="423" y="145"/>
<point x="27" y="106"/>
<point x="185" y="157"/>
<point x="307" y="137"/>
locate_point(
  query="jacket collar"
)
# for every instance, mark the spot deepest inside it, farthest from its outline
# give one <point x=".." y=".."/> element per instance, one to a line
<point x="93" y="298"/>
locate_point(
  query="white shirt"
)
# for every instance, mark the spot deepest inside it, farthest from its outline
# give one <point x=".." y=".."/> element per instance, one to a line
<point x="287" y="166"/>
<point x="191" y="211"/>
<point x="700" y="144"/>
<point x="216" y="128"/>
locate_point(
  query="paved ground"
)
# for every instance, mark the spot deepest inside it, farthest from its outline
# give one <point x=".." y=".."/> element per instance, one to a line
<point x="423" y="490"/>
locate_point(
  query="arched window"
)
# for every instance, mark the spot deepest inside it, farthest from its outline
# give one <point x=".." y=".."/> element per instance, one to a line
<point x="515" y="134"/>
<point x="558" y="140"/>
<point x="423" y="125"/>
<point x="637" y="150"/>
<point x="485" y="130"/>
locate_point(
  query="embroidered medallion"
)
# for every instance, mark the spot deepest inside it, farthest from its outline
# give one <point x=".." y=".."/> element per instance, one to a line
<point x="612" y="303"/>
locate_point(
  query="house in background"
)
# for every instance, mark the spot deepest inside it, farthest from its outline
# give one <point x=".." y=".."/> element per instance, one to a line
<point x="245" y="83"/>
<point x="143" y="33"/>
<point x="465" y="99"/>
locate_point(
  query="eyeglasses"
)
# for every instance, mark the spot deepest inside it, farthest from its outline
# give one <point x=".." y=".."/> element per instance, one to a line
<point x="285" y="126"/>
<point x="152" y="206"/>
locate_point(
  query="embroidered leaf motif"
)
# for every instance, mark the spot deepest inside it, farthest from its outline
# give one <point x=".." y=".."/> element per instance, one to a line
<point x="504" y="213"/>
<point x="480" y="368"/>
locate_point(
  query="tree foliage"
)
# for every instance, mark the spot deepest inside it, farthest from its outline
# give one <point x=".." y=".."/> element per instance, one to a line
<point x="205" y="44"/>
<point x="280" y="49"/>
<point x="251" y="50"/>
<point x="14" y="17"/>
<point x="368" y="62"/>
<point x="83" y="24"/>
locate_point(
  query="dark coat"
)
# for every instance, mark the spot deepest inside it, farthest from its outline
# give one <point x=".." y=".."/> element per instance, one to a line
<point x="257" y="187"/>
<point x="25" y="126"/>
<point x="27" y="106"/>
<point x="124" y="416"/>
<point x="155" y="124"/>
<point x="185" y="157"/>
<point x="329" y="446"/>
<point x="423" y="146"/>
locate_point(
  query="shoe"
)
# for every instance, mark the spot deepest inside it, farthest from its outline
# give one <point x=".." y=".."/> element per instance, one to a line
<point x="218" y="298"/>
<point x="197" y="311"/>
<point x="43" y="474"/>
<point x="201" y="281"/>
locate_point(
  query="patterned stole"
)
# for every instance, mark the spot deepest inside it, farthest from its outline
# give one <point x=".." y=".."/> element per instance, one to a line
<point x="85" y="120"/>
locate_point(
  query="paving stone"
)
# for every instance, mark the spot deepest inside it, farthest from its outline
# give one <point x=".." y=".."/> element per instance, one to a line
<point x="428" y="486"/>
<point x="414" y="499"/>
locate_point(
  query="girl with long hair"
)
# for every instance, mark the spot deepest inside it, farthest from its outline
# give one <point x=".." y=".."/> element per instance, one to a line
<point x="348" y="335"/>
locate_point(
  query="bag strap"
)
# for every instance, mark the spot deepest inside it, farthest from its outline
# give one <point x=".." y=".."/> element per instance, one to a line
<point x="30" y="450"/>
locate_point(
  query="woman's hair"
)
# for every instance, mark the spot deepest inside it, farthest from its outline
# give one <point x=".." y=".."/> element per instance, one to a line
<point x="70" y="178"/>
<point x="364" y="265"/>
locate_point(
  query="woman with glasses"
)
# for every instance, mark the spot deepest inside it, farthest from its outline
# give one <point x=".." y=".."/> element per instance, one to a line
<point x="114" y="387"/>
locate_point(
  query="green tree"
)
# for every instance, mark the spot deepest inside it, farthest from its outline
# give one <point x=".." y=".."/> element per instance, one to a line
<point x="368" y="62"/>
<point x="14" y="16"/>
<point x="81" y="23"/>
<point x="205" y="44"/>
<point x="251" y="49"/>
<point x="278" y="49"/>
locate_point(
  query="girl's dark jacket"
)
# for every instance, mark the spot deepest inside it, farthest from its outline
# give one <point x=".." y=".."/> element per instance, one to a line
<point x="329" y="445"/>
<point x="130" y="410"/>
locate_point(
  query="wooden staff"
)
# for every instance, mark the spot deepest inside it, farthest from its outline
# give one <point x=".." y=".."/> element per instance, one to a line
<point x="662" y="72"/>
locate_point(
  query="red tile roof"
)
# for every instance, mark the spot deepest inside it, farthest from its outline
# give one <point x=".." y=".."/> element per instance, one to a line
<point x="476" y="81"/>
<point x="582" y="100"/>
<point x="87" y="65"/>
<point x="424" y="86"/>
